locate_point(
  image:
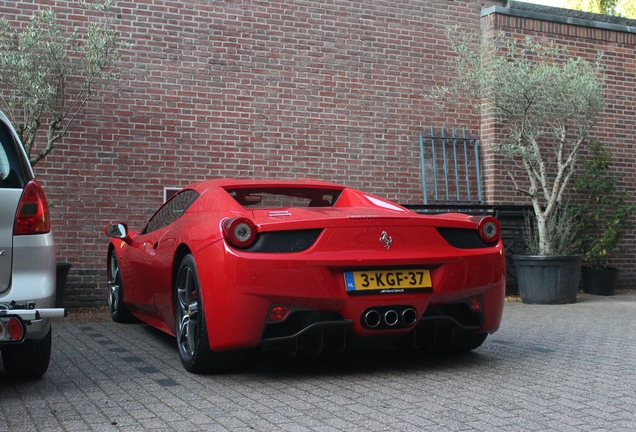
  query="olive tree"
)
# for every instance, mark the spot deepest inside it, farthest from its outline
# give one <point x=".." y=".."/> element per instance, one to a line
<point x="49" y="72"/>
<point x="545" y="102"/>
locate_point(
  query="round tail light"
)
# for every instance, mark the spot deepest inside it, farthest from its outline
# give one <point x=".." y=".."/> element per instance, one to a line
<point x="489" y="229"/>
<point x="240" y="232"/>
<point x="15" y="328"/>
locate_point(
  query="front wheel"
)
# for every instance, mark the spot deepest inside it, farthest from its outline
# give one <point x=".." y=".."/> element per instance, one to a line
<point x="118" y="311"/>
<point x="28" y="360"/>
<point x="191" y="329"/>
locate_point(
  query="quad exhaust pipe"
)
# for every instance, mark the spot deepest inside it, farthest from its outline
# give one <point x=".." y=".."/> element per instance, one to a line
<point x="409" y="316"/>
<point x="372" y="318"/>
<point x="389" y="317"/>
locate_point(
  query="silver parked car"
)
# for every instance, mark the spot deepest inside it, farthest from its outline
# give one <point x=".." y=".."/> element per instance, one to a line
<point x="27" y="263"/>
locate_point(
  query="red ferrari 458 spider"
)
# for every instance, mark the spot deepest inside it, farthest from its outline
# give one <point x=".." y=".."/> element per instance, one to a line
<point x="308" y="266"/>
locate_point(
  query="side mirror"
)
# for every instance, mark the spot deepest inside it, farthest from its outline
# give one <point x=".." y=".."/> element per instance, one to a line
<point x="118" y="230"/>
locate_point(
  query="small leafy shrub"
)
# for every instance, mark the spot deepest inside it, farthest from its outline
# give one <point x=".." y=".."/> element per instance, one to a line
<point x="604" y="211"/>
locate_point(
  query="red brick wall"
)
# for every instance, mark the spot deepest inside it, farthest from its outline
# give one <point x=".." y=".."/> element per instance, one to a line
<point x="335" y="90"/>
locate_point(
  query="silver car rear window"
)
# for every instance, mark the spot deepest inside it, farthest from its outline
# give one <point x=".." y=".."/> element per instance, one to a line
<point x="12" y="172"/>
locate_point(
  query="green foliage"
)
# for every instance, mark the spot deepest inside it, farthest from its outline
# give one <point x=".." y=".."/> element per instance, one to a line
<point x="620" y="8"/>
<point x="604" y="213"/>
<point x="48" y="72"/>
<point x="545" y="101"/>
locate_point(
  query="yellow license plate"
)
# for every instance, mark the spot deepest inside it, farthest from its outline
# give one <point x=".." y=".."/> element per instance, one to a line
<point x="389" y="281"/>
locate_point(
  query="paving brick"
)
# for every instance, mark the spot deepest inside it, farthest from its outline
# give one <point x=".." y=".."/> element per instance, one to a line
<point x="565" y="368"/>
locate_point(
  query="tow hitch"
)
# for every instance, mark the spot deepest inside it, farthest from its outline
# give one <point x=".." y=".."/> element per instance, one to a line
<point x="13" y="322"/>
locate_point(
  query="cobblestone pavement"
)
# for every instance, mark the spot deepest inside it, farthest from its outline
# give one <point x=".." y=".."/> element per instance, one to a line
<point x="566" y="367"/>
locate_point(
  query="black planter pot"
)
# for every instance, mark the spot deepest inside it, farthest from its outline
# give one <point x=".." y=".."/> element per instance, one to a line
<point x="548" y="279"/>
<point x="60" y="282"/>
<point x="600" y="281"/>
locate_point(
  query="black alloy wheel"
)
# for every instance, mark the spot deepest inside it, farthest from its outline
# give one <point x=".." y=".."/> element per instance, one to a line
<point x="118" y="311"/>
<point x="192" y="333"/>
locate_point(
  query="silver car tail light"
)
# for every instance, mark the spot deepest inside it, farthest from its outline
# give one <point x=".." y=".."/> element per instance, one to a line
<point x="12" y="329"/>
<point x="33" y="211"/>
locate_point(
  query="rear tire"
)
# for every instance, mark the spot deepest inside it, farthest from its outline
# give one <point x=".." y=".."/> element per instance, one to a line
<point x="118" y="310"/>
<point x="28" y="360"/>
<point x="464" y="342"/>
<point x="191" y="329"/>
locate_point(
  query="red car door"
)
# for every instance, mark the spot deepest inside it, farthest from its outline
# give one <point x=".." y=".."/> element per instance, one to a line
<point x="151" y="254"/>
<point x="138" y="272"/>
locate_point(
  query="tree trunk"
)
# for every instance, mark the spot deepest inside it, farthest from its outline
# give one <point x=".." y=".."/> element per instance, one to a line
<point x="545" y="244"/>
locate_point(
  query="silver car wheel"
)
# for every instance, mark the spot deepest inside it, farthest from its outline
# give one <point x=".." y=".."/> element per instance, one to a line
<point x="187" y="313"/>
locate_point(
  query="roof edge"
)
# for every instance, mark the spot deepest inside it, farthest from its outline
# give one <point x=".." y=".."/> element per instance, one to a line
<point x="563" y="16"/>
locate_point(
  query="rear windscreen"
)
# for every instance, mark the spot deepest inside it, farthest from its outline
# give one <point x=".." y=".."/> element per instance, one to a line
<point x="11" y="169"/>
<point x="254" y="197"/>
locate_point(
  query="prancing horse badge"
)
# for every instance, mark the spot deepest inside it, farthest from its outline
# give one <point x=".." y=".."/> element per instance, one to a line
<point x="386" y="239"/>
